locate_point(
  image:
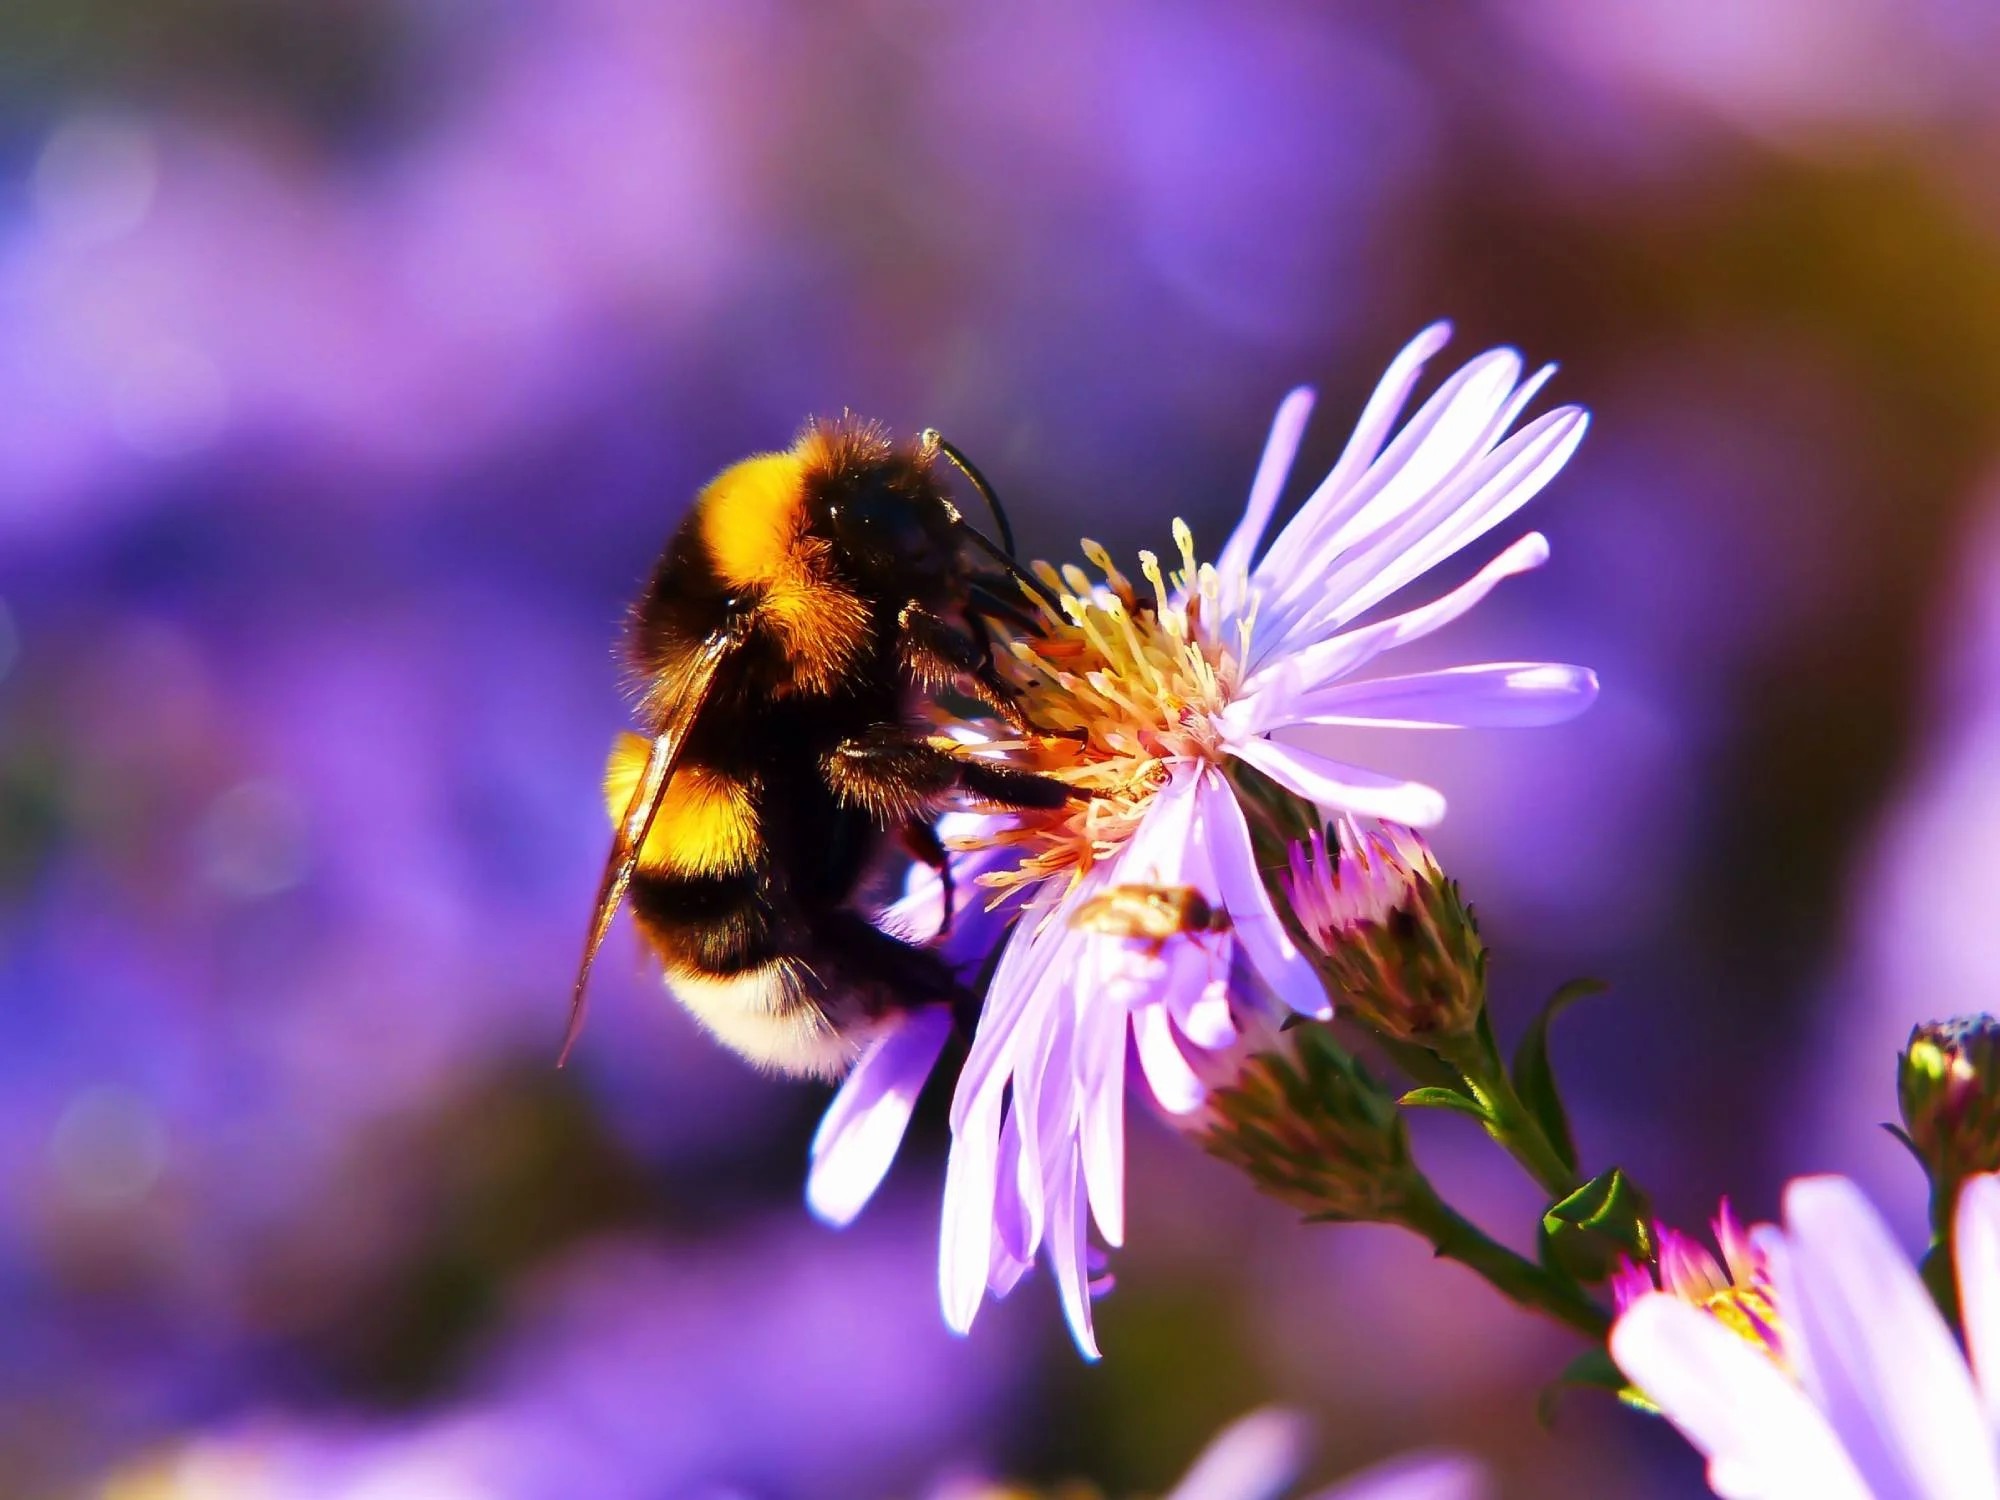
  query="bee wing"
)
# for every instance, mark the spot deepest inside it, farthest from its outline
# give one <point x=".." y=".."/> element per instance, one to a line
<point x="682" y="697"/>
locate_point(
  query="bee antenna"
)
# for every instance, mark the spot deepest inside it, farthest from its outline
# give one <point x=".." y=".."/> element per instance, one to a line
<point x="934" y="440"/>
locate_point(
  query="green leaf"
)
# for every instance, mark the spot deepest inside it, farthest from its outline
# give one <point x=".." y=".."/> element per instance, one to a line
<point x="1911" y="1146"/>
<point x="1442" y="1098"/>
<point x="1535" y="1081"/>
<point x="1591" y="1370"/>
<point x="1587" y="1233"/>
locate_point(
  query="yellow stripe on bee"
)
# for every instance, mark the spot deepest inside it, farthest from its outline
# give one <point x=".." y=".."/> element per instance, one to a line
<point x="753" y="522"/>
<point x="707" y="823"/>
<point x="752" y="517"/>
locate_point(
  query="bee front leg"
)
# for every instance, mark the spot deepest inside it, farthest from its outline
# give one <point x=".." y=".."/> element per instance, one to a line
<point x="899" y="777"/>
<point x="937" y="653"/>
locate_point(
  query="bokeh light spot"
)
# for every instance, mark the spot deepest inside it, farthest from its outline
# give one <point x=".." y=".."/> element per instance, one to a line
<point x="108" y="1147"/>
<point x="96" y="178"/>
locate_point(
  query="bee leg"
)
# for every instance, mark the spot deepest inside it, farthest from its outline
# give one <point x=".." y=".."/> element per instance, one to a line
<point x="919" y="836"/>
<point x="855" y="959"/>
<point x="900" y="778"/>
<point x="938" y="654"/>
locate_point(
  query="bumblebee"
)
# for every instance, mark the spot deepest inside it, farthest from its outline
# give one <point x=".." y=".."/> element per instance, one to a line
<point x="790" y="626"/>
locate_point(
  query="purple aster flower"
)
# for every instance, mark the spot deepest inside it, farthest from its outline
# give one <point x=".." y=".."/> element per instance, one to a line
<point x="1872" y="1397"/>
<point x="1163" y="701"/>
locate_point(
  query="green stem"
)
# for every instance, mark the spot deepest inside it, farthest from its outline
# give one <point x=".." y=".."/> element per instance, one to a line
<point x="1511" y="1122"/>
<point x="1520" y="1280"/>
<point x="1939" y="1266"/>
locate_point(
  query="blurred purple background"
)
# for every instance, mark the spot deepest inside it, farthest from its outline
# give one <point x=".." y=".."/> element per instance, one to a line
<point x="354" y="361"/>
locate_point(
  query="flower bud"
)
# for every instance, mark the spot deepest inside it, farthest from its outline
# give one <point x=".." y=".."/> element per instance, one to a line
<point x="1306" y="1123"/>
<point x="1948" y="1085"/>
<point x="1396" y="945"/>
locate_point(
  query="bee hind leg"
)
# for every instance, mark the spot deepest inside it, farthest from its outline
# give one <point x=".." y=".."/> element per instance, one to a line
<point x="862" y="966"/>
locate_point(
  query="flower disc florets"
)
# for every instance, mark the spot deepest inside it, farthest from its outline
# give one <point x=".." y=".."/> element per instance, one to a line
<point x="1737" y="1291"/>
<point x="1123" y="683"/>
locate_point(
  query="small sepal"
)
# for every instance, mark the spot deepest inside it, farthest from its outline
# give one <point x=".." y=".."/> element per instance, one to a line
<point x="1604" y="1222"/>
<point x="1533" y="1077"/>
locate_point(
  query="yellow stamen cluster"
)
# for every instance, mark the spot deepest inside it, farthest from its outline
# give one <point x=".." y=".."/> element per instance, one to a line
<point x="1119" y="683"/>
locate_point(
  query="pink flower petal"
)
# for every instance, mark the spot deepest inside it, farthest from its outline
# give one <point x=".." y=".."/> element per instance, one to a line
<point x="1337" y="785"/>
<point x="1894" y="1385"/>
<point x="1763" y="1439"/>
<point x="1492" y="695"/>
<point x="1978" y="1248"/>
<point x="859" y="1134"/>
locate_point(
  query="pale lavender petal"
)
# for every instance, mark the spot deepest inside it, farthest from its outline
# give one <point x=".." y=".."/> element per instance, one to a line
<point x="1023" y="962"/>
<point x="1069" y="1257"/>
<point x="1253" y="1458"/>
<point x="1447" y="436"/>
<point x="1199" y="1004"/>
<point x="1253" y="920"/>
<point x="1977" y="1243"/>
<point x="965" y="1239"/>
<point x="1165" y="1066"/>
<point x="1335" y="784"/>
<point x="1045" y="1099"/>
<point x="1272" y="469"/>
<point x="1378" y="417"/>
<point x="1893" y="1382"/>
<point x="1266" y="692"/>
<point x="1102" y="1025"/>
<point x="1459" y="514"/>
<point x="859" y="1134"/>
<point x="1762" y="1437"/>
<point x="1415" y="1476"/>
<point x="1011" y="1259"/>
<point x="1490" y="695"/>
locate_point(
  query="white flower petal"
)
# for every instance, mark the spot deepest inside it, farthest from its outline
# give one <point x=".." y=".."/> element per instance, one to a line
<point x="1253" y="919"/>
<point x="1335" y="784"/>
<point x="1377" y="419"/>
<point x="1069" y="1256"/>
<point x="1893" y="1382"/>
<point x="1045" y="1103"/>
<point x="1233" y="563"/>
<point x="965" y="1239"/>
<point x="1456" y="516"/>
<point x="1164" y="1065"/>
<point x="1265" y="692"/>
<point x="859" y="1134"/>
<point x="1448" y="435"/>
<point x="1977" y="1243"/>
<point x="1102" y="1025"/>
<point x="1763" y="1439"/>
<point x="1492" y="695"/>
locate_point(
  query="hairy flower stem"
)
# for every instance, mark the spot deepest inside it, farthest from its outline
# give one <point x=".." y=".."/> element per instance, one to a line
<point x="1508" y="1120"/>
<point x="1454" y="1237"/>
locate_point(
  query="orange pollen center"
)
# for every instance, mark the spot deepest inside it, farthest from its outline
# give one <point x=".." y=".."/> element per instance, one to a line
<point x="1119" y="684"/>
